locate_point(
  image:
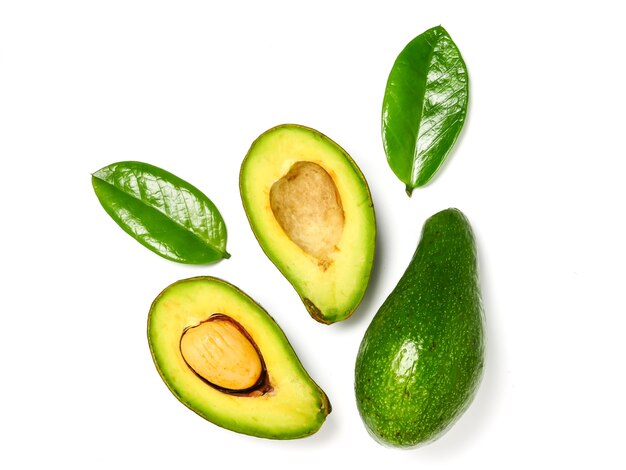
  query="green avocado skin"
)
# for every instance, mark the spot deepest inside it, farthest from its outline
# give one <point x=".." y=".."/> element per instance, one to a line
<point x="421" y="359"/>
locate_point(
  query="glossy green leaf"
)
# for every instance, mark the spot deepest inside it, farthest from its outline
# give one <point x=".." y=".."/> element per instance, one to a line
<point x="424" y="106"/>
<point x="162" y="212"/>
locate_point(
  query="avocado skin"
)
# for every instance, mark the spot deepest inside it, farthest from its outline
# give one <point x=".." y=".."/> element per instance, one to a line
<point x="296" y="408"/>
<point x="421" y="359"/>
<point x="329" y="298"/>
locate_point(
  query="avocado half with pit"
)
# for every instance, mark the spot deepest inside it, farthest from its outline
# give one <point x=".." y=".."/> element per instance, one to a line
<point x="310" y="208"/>
<point x="225" y="358"/>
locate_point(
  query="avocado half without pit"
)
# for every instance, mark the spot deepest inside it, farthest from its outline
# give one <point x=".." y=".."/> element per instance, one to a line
<point x="310" y="208"/>
<point x="225" y="358"/>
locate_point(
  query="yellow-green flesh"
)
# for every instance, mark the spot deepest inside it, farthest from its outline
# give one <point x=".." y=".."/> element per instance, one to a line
<point x="293" y="407"/>
<point x="331" y="291"/>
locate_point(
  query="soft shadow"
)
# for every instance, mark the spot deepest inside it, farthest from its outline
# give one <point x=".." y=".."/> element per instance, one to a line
<point x="328" y="434"/>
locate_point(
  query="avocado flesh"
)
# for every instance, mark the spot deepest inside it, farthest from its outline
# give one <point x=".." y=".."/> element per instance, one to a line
<point x="421" y="358"/>
<point x="310" y="208"/>
<point x="213" y="316"/>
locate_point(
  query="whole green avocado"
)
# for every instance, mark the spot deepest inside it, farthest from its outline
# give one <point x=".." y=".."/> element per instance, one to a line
<point x="421" y="359"/>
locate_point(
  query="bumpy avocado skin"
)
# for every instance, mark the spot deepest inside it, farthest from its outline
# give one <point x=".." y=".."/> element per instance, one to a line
<point x="421" y="359"/>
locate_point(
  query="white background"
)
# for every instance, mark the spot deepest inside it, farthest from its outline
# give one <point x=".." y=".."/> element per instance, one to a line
<point x="187" y="86"/>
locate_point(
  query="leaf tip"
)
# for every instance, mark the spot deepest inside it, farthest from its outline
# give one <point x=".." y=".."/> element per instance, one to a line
<point x="409" y="190"/>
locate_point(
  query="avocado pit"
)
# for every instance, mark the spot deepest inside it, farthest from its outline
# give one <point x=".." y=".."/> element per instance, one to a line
<point x="221" y="352"/>
<point x="307" y="205"/>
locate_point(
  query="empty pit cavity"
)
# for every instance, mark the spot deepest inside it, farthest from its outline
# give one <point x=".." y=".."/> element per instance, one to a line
<point x="307" y="205"/>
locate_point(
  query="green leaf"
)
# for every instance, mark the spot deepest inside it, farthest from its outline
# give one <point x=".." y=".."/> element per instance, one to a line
<point x="424" y="106"/>
<point x="162" y="212"/>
